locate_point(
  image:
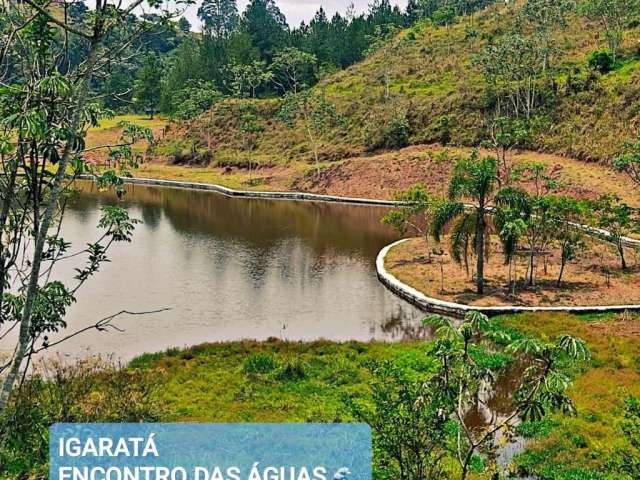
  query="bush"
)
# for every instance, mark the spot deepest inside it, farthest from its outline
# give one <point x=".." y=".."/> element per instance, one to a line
<point x="394" y="132"/>
<point x="601" y="61"/>
<point x="410" y="424"/>
<point x="194" y="98"/>
<point x="629" y="459"/>
<point x="292" y="371"/>
<point x="260" y="363"/>
<point x="87" y="392"/>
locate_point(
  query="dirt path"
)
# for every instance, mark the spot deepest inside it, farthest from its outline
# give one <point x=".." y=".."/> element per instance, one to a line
<point x="385" y="174"/>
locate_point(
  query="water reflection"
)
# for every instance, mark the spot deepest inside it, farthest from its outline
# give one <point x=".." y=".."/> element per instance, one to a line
<point x="235" y="268"/>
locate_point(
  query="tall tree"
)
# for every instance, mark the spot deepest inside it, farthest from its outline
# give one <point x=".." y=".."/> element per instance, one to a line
<point x="267" y="27"/>
<point x="45" y="115"/>
<point x="146" y="88"/>
<point x="219" y="17"/>
<point x="474" y="179"/>
<point x="512" y="66"/>
<point x="545" y="16"/>
<point x="314" y="114"/>
<point x="184" y="25"/>
<point x="293" y="70"/>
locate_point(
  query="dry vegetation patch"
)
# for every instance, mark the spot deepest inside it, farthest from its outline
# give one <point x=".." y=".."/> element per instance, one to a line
<point x="593" y="279"/>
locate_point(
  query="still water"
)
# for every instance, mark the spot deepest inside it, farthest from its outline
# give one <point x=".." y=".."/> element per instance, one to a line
<point x="232" y="269"/>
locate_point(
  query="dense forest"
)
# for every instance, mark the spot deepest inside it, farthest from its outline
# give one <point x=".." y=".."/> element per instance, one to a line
<point x="253" y="54"/>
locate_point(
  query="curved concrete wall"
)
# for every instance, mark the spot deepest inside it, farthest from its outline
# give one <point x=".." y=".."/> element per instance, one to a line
<point x="434" y="305"/>
<point x="312" y="197"/>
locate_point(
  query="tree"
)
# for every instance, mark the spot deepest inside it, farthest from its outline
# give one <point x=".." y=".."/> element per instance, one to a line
<point x="184" y="25"/>
<point x="318" y="38"/>
<point x="506" y="134"/>
<point x="250" y="127"/>
<point x="535" y="210"/>
<point x="617" y="218"/>
<point x="415" y="214"/>
<point x="247" y="79"/>
<point x="567" y="216"/>
<point x="463" y="379"/>
<point x="266" y="26"/>
<point x="629" y="161"/>
<point x="474" y="179"/>
<point x="382" y="39"/>
<point x="147" y="86"/>
<point x="194" y="98"/>
<point x="45" y="113"/>
<point x="219" y="17"/>
<point x="292" y="70"/>
<point x="314" y="113"/>
<point x="513" y="209"/>
<point x="511" y="67"/>
<point x="545" y="16"/>
<point x="613" y="17"/>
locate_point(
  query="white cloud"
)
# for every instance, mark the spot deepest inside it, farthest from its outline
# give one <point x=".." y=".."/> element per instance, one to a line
<point x="302" y="10"/>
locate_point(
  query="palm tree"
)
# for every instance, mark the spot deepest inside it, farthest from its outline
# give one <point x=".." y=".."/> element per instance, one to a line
<point x="474" y="179"/>
<point x="513" y="210"/>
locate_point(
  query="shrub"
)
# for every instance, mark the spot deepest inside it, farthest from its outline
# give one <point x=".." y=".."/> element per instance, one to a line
<point x="260" y="363"/>
<point x="628" y="461"/>
<point x="410" y="424"/>
<point x="86" y="392"/>
<point x="393" y="132"/>
<point x="292" y="371"/>
<point x="601" y="61"/>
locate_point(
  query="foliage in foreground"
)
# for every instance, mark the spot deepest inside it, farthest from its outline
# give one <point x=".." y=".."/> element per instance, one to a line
<point x="89" y="391"/>
<point x="258" y="382"/>
<point x="592" y="444"/>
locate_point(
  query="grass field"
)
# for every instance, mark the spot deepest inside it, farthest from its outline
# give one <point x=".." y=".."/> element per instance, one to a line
<point x="243" y="382"/>
<point x="588" y="445"/>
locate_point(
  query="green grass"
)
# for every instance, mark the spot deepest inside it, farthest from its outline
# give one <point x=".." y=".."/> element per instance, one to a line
<point x="142" y="120"/>
<point x="624" y="72"/>
<point x="244" y="382"/>
<point x="584" y="446"/>
<point x="217" y="382"/>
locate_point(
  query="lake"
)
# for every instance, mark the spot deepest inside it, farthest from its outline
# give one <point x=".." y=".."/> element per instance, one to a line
<point x="232" y="269"/>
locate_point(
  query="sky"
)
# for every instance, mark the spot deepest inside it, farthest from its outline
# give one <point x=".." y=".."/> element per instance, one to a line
<point x="297" y="11"/>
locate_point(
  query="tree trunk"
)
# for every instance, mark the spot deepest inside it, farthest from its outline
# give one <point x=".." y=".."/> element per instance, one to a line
<point x="623" y="261"/>
<point x="32" y="287"/>
<point x="562" y="265"/>
<point x="480" y="249"/>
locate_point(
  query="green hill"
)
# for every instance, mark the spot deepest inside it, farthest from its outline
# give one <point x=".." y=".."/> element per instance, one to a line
<point x="437" y="88"/>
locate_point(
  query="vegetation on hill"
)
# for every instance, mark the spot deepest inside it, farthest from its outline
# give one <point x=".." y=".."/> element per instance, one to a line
<point x="444" y="84"/>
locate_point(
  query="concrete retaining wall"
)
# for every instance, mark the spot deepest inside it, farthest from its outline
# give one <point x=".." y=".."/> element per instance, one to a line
<point x="314" y="197"/>
<point x="434" y="305"/>
<point x="311" y="197"/>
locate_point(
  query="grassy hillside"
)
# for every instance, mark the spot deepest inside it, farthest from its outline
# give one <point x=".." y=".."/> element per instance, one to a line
<point x="434" y="81"/>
